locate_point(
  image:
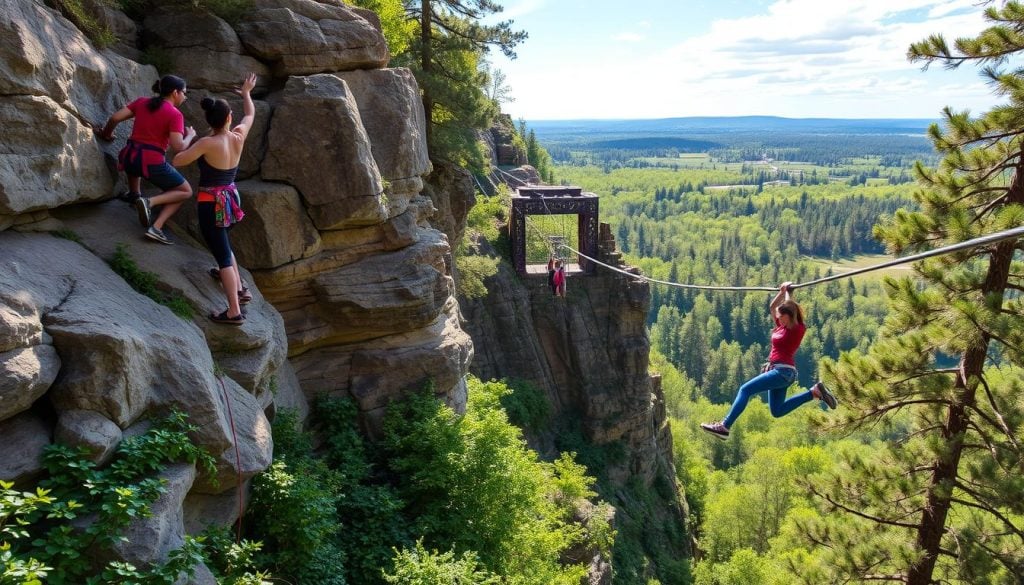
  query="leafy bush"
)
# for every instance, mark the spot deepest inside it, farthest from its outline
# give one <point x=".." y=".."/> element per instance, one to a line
<point x="233" y="563"/>
<point x="53" y="532"/>
<point x="421" y="567"/>
<point x="146" y="283"/>
<point x="293" y="511"/>
<point x="472" y="270"/>
<point x="526" y="405"/>
<point x="67" y="234"/>
<point x="324" y="517"/>
<point x="471" y="483"/>
<point x="398" y="29"/>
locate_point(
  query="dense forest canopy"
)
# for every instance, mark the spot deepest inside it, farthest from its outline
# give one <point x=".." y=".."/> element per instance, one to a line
<point x="917" y="478"/>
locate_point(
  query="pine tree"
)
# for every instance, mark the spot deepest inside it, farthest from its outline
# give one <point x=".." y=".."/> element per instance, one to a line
<point x="447" y="59"/>
<point x="942" y="503"/>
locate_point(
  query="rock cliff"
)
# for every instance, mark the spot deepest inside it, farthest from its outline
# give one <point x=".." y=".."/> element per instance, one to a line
<point x="588" y="353"/>
<point x="352" y="289"/>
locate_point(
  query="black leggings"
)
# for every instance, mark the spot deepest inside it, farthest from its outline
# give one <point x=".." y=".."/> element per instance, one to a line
<point x="216" y="238"/>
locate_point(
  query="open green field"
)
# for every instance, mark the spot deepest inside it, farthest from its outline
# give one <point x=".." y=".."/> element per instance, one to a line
<point x="862" y="261"/>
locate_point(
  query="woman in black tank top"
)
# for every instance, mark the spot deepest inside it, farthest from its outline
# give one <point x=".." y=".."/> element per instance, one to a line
<point x="216" y="201"/>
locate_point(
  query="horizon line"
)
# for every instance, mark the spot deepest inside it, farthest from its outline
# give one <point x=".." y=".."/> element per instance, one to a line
<point x="721" y="116"/>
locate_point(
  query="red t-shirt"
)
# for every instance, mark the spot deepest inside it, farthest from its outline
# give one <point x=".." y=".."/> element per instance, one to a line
<point x="155" y="128"/>
<point x="785" y="342"/>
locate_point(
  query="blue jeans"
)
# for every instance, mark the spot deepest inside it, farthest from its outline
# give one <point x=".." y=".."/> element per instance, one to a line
<point x="774" y="382"/>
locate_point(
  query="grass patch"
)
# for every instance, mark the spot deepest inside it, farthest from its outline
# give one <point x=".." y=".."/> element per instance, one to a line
<point x="85" y="18"/>
<point x="146" y="283"/>
<point x="847" y="264"/>
<point x="66" y="234"/>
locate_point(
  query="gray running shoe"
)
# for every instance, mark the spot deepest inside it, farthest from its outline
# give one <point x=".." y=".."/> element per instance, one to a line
<point x="155" y="234"/>
<point x="145" y="215"/>
<point x="827" y="397"/>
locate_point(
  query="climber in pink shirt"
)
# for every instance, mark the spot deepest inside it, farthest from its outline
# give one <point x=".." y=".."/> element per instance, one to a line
<point x="158" y="124"/>
<point x="780" y="371"/>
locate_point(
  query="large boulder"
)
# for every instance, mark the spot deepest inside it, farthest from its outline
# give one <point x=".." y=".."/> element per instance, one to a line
<point x="55" y="81"/>
<point x="123" y="356"/>
<point x="24" y="438"/>
<point x="25" y="375"/>
<point x="276" y="229"/>
<point x="302" y="37"/>
<point x="203" y="49"/>
<point x="252" y="447"/>
<point x="377" y="372"/>
<point x="318" y="143"/>
<point x="392" y="114"/>
<point x="43" y="54"/>
<point x="328" y="300"/>
<point x="47" y="157"/>
<point x="91" y="430"/>
<point x="151" y="539"/>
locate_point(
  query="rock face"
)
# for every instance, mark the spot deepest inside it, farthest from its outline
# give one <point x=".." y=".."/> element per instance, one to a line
<point x="303" y="37"/>
<point x="589" y="354"/>
<point x="352" y="289"/>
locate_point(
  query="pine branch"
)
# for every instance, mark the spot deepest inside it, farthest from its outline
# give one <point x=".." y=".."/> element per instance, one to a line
<point x="860" y="514"/>
<point x="995" y="409"/>
<point x="1006" y="521"/>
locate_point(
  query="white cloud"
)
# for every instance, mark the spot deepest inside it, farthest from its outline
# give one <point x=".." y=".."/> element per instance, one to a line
<point x="628" y="37"/>
<point x="799" y="58"/>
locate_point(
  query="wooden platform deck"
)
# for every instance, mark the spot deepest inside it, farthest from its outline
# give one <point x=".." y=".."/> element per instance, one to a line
<point x="542" y="269"/>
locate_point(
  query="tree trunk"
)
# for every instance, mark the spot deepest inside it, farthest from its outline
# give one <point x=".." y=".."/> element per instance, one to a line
<point x="426" y="65"/>
<point x="933" y="520"/>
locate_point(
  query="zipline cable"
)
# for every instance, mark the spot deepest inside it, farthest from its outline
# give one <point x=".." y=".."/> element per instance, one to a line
<point x="965" y="245"/>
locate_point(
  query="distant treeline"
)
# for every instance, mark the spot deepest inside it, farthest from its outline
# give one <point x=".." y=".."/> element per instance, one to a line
<point x="830" y="150"/>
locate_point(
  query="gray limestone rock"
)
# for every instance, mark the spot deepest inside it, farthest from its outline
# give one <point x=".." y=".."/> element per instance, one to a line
<point x="392" y="113"/>
<point x="25" y="374"/>
<point x="150" y="539"/>
<point x="276" y="230"/>
<point x="85" y="428"/>
<point x="24" y="437"/>
<point x="47" y="157"/>
<point x="252" y="446"/>
<point x="335" y="172"/>
<point x="302" y="37"/>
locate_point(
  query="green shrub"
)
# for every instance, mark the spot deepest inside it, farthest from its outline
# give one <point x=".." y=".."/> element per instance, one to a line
<point x="526" y="405"/>
<point x="86" y="20"/>
<point x="293" y="510"/>
<point x="67" y="234"/>
<point x="472" y="269"/>
<point x="80" y="508"/>
<point x="231" y="562"/>
<point x="471" y="484"/>
<point x="146" y="283"/>
<point x="419" y="566"/>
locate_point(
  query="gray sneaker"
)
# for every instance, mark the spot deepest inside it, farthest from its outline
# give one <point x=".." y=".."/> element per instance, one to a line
<point x="156" y="234"/>
<point x="145" y="215"/>
<point x="827" y="397"/>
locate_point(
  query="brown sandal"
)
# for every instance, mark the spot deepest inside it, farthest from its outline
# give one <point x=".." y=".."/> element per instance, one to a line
<point x="223" y="318"/>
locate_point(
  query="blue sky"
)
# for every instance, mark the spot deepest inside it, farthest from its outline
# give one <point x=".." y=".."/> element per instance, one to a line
<point x="794" y="58"/>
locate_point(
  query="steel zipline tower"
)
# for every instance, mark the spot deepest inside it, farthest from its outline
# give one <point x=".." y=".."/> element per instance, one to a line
<point x="553" y="200"/>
